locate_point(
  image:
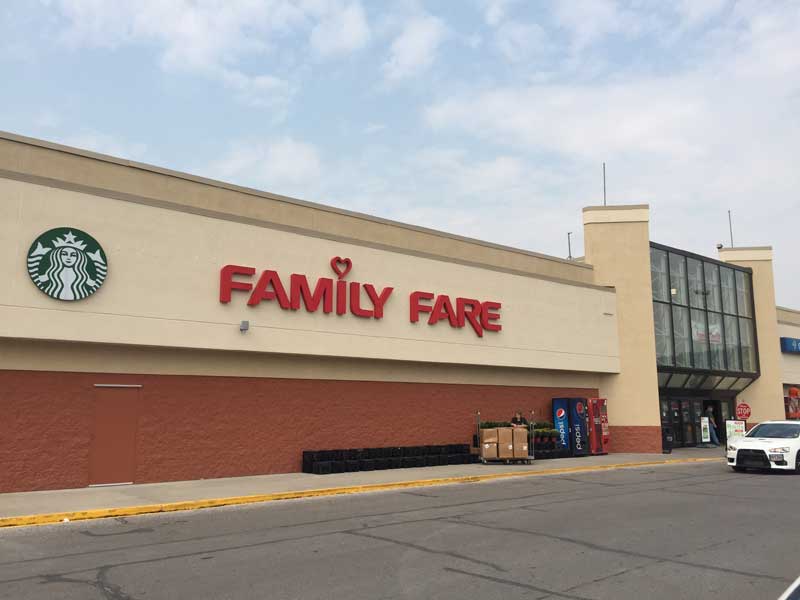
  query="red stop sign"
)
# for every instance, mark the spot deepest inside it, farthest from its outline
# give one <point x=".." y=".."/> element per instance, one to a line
<point x="743" y="412"/>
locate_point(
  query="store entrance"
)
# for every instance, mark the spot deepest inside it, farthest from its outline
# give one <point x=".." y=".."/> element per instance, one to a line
<point x="683" y="416"/>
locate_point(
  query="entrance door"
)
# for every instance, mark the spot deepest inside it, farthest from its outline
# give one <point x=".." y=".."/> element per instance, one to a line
<point x="112" y="458"/>
<point x="677" y="427"/>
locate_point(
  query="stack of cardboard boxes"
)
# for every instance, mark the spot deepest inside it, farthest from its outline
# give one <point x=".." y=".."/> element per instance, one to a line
<point x="504" y="443"/>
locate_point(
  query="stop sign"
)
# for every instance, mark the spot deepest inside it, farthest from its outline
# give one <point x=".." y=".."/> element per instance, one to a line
<point x="743" y="411"/>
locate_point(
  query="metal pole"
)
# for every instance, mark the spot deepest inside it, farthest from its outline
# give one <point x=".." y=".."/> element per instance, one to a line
<point x="569" y="245"/>
<point x="730" y="227"/>
<point x="604" y="184"/>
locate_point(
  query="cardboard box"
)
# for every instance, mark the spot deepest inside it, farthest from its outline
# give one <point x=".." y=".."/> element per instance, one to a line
<point x="489" y="451"/>
<point x="520" y="436"/>
<point x="488" y="436"/>
<point x="505" y="442"/>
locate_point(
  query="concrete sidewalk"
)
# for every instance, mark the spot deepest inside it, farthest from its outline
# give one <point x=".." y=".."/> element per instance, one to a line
<point x="31" y="508"/>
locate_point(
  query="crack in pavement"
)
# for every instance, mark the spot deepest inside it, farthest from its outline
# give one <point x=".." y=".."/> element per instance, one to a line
<point x="526" y="586"/>
<point x="100" y="583"/>
<point x="602" y="548"/>
<point x="360" y="533"/>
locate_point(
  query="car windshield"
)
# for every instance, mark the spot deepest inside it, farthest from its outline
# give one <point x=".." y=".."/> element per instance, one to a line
<point x="775" y="430"/>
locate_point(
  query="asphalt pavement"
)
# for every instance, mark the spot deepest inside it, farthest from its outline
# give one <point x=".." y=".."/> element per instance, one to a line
<point x="672" y="532"/>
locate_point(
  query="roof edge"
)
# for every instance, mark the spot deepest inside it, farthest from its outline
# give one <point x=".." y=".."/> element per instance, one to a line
<point x="21" y="139"/>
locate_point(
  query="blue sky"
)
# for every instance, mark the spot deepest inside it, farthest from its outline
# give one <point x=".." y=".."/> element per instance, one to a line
<point x="487" y="118"/>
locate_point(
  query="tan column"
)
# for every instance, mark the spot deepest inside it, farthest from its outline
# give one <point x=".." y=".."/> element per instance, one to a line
<point x="617" y="245"/>
<point x="765" y="395"/>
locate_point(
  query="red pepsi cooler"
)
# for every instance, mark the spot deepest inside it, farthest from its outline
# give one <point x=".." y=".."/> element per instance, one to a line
<point x="598" y="426"/>
<point x="569" y="418"/>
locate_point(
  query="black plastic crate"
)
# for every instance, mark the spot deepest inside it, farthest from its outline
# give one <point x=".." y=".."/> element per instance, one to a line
<point x="352" y="465"/>
<point x="351" y="454"/>
<point x="322" y="467"/>
<point x="309" y="457"/>
<point x="432" y="460"/>
<point x="396" y="462"/>
<point x="453" y="459"/>
<point x="338" y="466"/>
<point x="409" y="461"/>
<point x="395" y="452"/>
<point x="442" y="459"/>
<point x="474" y="459"/>
<point x="366" y="464"/>
<point x="381" y="464"/>
<point x="419" y="461"/>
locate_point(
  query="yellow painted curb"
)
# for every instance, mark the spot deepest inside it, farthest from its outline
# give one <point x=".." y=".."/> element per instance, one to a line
<point x="128" y="511"/>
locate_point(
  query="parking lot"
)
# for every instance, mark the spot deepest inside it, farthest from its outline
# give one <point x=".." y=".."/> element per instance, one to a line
<point x="682" y="531"/>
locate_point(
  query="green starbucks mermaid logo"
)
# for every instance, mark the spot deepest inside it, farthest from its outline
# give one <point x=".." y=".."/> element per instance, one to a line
<point x="67" y="264"/>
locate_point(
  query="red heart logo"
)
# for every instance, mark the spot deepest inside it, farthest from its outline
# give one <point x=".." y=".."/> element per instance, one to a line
<point x="341" y="266"/>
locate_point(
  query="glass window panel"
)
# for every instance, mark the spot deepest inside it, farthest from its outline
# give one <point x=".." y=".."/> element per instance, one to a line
<point x="743" y="294"/>
<point x="696" y="292"/>
<point x="677" y="380"/>
<point x="713" y="294"/>
<point x="741" y="383"/>
<point x="662" y="379"/>
<point x="699" y="339"/>
<point x="711" y="382"/>
<point x="683" y="343"/>
<point x="728" y="290"/>
<point x="663" y="333"/>
<point x="716" y="341"/>
<point x="658" y="274"/>
<point x="748" y="345"/>
<point x="677" y="278"/>
<point x="694" y="381"/>
<point x="732" y="343"/>
<point x="726" y="383"/>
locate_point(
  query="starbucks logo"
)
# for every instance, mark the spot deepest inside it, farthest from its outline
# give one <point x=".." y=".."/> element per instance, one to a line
<point x="67" y="264"/>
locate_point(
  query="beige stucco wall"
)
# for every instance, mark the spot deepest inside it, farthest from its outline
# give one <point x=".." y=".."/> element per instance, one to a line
<point x="163" y="290"/>
<point x="765" y="394"/>
<point x="617" y="243"/>
<point x="104" y="358"/>
<point x="39" y="161"/>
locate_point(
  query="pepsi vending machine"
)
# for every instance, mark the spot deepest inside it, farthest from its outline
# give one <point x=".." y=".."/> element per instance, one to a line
<point x="569" y="418"/>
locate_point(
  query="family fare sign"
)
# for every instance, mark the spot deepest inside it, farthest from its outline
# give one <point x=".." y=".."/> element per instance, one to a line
<point x="359" y="299"/>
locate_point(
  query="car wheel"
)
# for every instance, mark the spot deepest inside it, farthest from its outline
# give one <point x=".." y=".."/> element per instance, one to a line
<point x="797" y="463"/>
<point x="739" y="469"/>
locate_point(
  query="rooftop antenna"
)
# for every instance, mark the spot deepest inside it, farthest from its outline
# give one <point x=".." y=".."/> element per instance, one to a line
<point x="730" y="227"/>
<point x="604" y="184"/>
<point x="569" y="245"/>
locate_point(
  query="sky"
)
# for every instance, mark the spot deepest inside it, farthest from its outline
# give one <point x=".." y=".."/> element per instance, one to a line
<point x="484" y="118"/>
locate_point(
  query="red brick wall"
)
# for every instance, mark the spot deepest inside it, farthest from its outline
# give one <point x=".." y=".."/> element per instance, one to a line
<point x="205" y="427"/>
<point x="630" y="438"/>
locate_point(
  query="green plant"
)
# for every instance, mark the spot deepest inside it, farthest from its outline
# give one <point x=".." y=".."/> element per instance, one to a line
<point x="542" y="425"/>
<point x="494" y="424"/>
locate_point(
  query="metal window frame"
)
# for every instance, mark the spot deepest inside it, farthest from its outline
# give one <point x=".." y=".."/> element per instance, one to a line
<point x="672" y="368"/>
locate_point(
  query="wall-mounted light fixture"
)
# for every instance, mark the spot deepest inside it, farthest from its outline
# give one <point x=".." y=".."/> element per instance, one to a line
<point x="244" y="326"/>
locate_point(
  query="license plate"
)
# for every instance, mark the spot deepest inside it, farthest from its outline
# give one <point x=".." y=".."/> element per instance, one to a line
<point x="776" y="457"/>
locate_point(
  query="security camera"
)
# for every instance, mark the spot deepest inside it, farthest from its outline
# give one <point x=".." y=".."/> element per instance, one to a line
<point x="720" y="246"/>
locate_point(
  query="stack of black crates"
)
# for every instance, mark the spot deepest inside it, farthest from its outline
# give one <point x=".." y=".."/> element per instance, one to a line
<point x="324" y="462"/>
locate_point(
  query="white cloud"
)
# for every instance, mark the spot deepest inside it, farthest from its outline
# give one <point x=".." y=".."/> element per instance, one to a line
<point x="697" y="12"/>
<point x="495" y="11"/>
<point x="589" y="21"/>
<point x="341" y="32"/>
<point x="521" y="41"/>
<point x="212" y="37"/>
<point x="414" y="50"/>
<point x="284" y="165"/>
